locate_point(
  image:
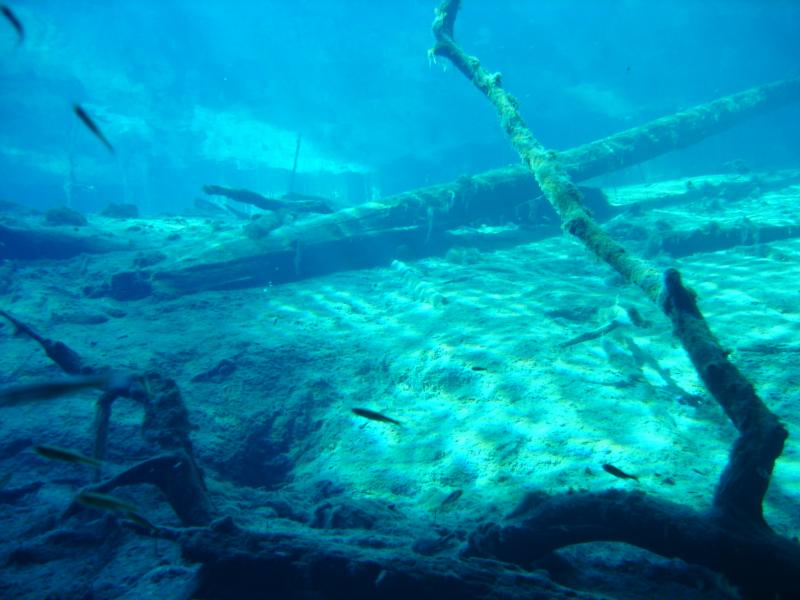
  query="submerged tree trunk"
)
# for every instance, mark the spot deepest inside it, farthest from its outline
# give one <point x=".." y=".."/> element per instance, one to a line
<point x="414" y="223"/>
<point x="732" y="537"/>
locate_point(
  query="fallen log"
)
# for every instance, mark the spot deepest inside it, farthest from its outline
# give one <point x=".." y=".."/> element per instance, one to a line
<point x="699" y="227"/>
<point x="290" y="202"/>
<point x="712" y="237"/>
<point x="673" y="132"/>
<point x="35" y="244"/>
<point x="732" y="537"/>
<point x="414" y="224"/>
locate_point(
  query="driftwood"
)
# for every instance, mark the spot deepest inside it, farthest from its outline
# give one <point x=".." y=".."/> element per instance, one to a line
<point x="415" y="223"/>
<point x="713" y="237"/>
<point x="761" y="562"/>
<point x="165" y="425"/>
<point x="289" y="202"/>
<point x="709" y="235"/>
<point x="676" y="131"/>
<point x="292" y="561"/>
<point x="732" y="536"/>
<point x="178" y="478"/>
<point x="65" y="357"/>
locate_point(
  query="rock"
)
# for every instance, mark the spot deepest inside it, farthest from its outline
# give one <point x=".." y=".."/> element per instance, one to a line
<point x="64" y="216"/>
<point x="130" y="285"/>
<point x="121" y="211"/>
<point x="431" y="546"/>
<point x="341" y="516"/>
<point x="262" y="459"/>
<point x="326" y="488"/>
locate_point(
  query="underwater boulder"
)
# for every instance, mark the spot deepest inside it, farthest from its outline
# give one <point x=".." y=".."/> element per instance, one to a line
<point x="64" y="216"/>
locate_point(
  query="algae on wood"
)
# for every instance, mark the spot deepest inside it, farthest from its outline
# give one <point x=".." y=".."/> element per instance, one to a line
<point x="414" y="223"/>
<point x="731" y="537"/>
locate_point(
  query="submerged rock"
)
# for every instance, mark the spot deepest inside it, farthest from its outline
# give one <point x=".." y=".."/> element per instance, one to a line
<point x="130" y="285"/>
<point x="121" y="211"/>
<point x="64" y="216"/>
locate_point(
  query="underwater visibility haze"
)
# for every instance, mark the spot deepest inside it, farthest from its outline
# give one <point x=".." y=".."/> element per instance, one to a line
<point x="343" y="299"/>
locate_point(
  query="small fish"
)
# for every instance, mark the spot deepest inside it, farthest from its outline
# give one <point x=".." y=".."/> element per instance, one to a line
<point x="375" y="416"/>
<point x="141" y="521"/>
<point x="451" y="498"/>
<point x="56" y="453"/>
<point x="15" y="22"/>
<point x="477" y="368"/>
<point x="87" y="120"/>
<point x="106" y="502"/>
<point x="618" y="472"/>
<point x="46" y="390"/>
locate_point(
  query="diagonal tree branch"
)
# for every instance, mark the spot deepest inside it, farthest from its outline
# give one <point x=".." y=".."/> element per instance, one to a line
<point x="737" y="506"/>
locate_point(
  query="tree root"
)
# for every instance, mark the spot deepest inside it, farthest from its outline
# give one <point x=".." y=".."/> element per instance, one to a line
<point x="165" y="425"/>
<point x="175" y="475"/>
<point x="755" y="558"/>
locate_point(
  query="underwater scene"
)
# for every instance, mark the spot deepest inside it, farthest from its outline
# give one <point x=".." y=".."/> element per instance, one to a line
<point x="336" y="299"/>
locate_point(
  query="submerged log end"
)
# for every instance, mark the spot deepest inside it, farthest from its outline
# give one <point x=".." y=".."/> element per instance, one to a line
<point x="757" y="560"/>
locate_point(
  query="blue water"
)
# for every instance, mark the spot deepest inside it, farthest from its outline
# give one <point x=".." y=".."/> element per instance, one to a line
<point x="197" y="91"/>
<point x="363" y="391"/>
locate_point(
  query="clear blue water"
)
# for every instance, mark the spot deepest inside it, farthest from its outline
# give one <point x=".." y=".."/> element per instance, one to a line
<point x="502" y="358"/>
<point x="193" y="91"/>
